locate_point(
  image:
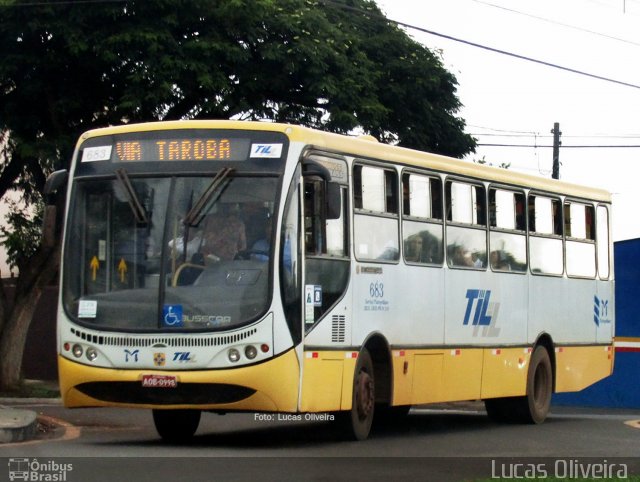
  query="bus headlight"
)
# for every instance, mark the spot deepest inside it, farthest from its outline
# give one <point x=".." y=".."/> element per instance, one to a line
<point x="250" y="352"/>
<point x="92" y="354"/>
<point x="76" y="350"/>
<point x="234" y="355"/>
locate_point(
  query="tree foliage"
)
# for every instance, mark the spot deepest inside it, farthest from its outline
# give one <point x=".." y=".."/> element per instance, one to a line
<point x="71" y="66"/>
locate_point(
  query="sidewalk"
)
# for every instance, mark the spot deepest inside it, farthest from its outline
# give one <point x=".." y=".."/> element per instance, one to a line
<point x="18" y="424"/>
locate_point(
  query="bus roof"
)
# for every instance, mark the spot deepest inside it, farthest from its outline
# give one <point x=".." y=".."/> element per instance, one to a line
<point x="369" y="148"/>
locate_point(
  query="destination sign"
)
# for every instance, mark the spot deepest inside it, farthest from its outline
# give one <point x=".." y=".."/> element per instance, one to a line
<point x="191" y="149"/>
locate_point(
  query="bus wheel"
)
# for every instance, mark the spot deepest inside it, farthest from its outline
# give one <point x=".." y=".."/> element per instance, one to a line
<point x="363" y="398"/>
<point x="539" y="387"/>
<point x="534" y="406"/>
<point x="176" y="425"/>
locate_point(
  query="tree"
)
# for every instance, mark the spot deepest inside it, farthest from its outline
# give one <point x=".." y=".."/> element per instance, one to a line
<point x="484" y="162"/>
<point x="67" y="67"/>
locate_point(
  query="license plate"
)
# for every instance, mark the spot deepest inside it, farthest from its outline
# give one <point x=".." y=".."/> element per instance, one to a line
<point x="159" y="381"/>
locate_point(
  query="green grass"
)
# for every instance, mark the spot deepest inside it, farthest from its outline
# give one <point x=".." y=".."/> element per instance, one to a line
<point x="31" y="390"/>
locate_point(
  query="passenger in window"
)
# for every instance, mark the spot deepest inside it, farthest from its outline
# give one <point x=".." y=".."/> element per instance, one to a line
<point x="461" y="257"/>
<point x="390" y="253"/>
<point x="499" y="260"/>
<point x="413" y="249"/>
<point x="477" y="261"/>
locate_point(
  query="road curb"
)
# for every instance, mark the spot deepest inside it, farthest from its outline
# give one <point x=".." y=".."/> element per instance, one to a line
<point x="17" y="425"/>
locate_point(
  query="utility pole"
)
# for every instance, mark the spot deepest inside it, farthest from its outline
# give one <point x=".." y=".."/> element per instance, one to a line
<point x="556" y="150"/>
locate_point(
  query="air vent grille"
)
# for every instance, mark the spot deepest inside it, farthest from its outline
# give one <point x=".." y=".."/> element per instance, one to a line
<point x="337" y="328"/>
<point x="182" y="341"/>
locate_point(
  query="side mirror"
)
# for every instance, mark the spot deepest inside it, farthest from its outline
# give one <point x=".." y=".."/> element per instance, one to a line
<point x="55" y="180"/>
<point x="49" y="226"/>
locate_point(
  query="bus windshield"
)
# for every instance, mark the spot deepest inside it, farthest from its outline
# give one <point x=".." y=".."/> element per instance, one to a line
<point x="169" y="253"/>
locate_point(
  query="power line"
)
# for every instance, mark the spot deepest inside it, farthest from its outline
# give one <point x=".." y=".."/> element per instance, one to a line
<point x="495" y="132"/>
<point x="56" y="3"/>
<point x="484" y="47"/>
<point x="521" y="57"/>
<point x="591" y="136"/>
<point x="610" y="37"/>
<point x="585" y="146"/>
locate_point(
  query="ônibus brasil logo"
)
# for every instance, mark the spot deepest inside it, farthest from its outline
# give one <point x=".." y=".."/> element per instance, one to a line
<point x="23" y="468"/>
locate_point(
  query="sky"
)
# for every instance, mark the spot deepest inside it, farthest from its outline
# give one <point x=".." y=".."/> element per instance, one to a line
<point x="512" y="101"/>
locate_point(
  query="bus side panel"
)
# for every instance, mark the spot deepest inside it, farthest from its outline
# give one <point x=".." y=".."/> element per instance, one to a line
<point x="436" y="375"/>
<point x="462" y="374"/>
<point x="322" y="377"/>
<point x="563" y="308"/>
<point x="578" y="367"/>
<point x="504" y="372"/>
<point x="327" y="381"/>
<point x="604" y="311"/>
<point x="427" y="379"/>
<point x="403" y="371"/>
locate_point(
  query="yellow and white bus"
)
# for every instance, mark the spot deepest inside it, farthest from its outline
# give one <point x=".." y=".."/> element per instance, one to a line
<point x="241" y="266"/>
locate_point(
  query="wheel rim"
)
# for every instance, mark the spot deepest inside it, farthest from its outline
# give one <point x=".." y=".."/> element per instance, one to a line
<point x="364" y="395"/>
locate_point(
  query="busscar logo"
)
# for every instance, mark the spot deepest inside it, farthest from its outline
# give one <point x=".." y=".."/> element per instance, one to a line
<point x="32" y="469"/>
<point x="482" y="313"/>
<point x="600" y="311"/>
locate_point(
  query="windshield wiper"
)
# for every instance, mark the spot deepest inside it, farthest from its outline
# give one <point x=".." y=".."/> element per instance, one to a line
<point x="134" y="203"/>
<point x="196" y="211"/>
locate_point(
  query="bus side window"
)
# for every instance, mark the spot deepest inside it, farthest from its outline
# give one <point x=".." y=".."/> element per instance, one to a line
<point x="546" y="254"/>
<point x="422" y="223"/>
<point x="466" y="233"/>
<point x="466" y="203"/>
<point x="580" y="247"/>
<point x="376" y="203"/>
<point x="602" y="242"/>
<point x="508" y="248"/>
<point x="314" y="227"/>
<point x="545" y="215"/>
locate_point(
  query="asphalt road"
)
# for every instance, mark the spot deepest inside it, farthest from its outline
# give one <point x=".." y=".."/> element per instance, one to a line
<point x="453" y="442"/>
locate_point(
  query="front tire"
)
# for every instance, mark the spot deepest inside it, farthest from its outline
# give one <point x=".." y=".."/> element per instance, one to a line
<point x="176" y="425"/>
<point x="360" y="417"/>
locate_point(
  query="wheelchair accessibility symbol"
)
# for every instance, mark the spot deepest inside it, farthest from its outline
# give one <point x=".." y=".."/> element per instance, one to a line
<point x="172" y="315"/>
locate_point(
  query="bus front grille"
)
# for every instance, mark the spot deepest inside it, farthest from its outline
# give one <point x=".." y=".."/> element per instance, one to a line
<point x="184" y="393"/>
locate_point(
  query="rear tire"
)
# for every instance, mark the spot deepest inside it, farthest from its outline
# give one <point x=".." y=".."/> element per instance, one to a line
<point x="534" y="406"/>
<point x="176" y="425"/>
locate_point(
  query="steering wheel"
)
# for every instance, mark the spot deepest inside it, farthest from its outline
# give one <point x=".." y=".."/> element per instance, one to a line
<point x="176" y="275"/>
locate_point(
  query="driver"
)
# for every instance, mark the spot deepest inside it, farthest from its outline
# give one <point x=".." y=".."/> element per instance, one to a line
<point x="260" y="249"/>
<point x="224" y="236"/>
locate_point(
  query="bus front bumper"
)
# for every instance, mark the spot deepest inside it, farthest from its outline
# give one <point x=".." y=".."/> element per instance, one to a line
<point x="269" y="386"/>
